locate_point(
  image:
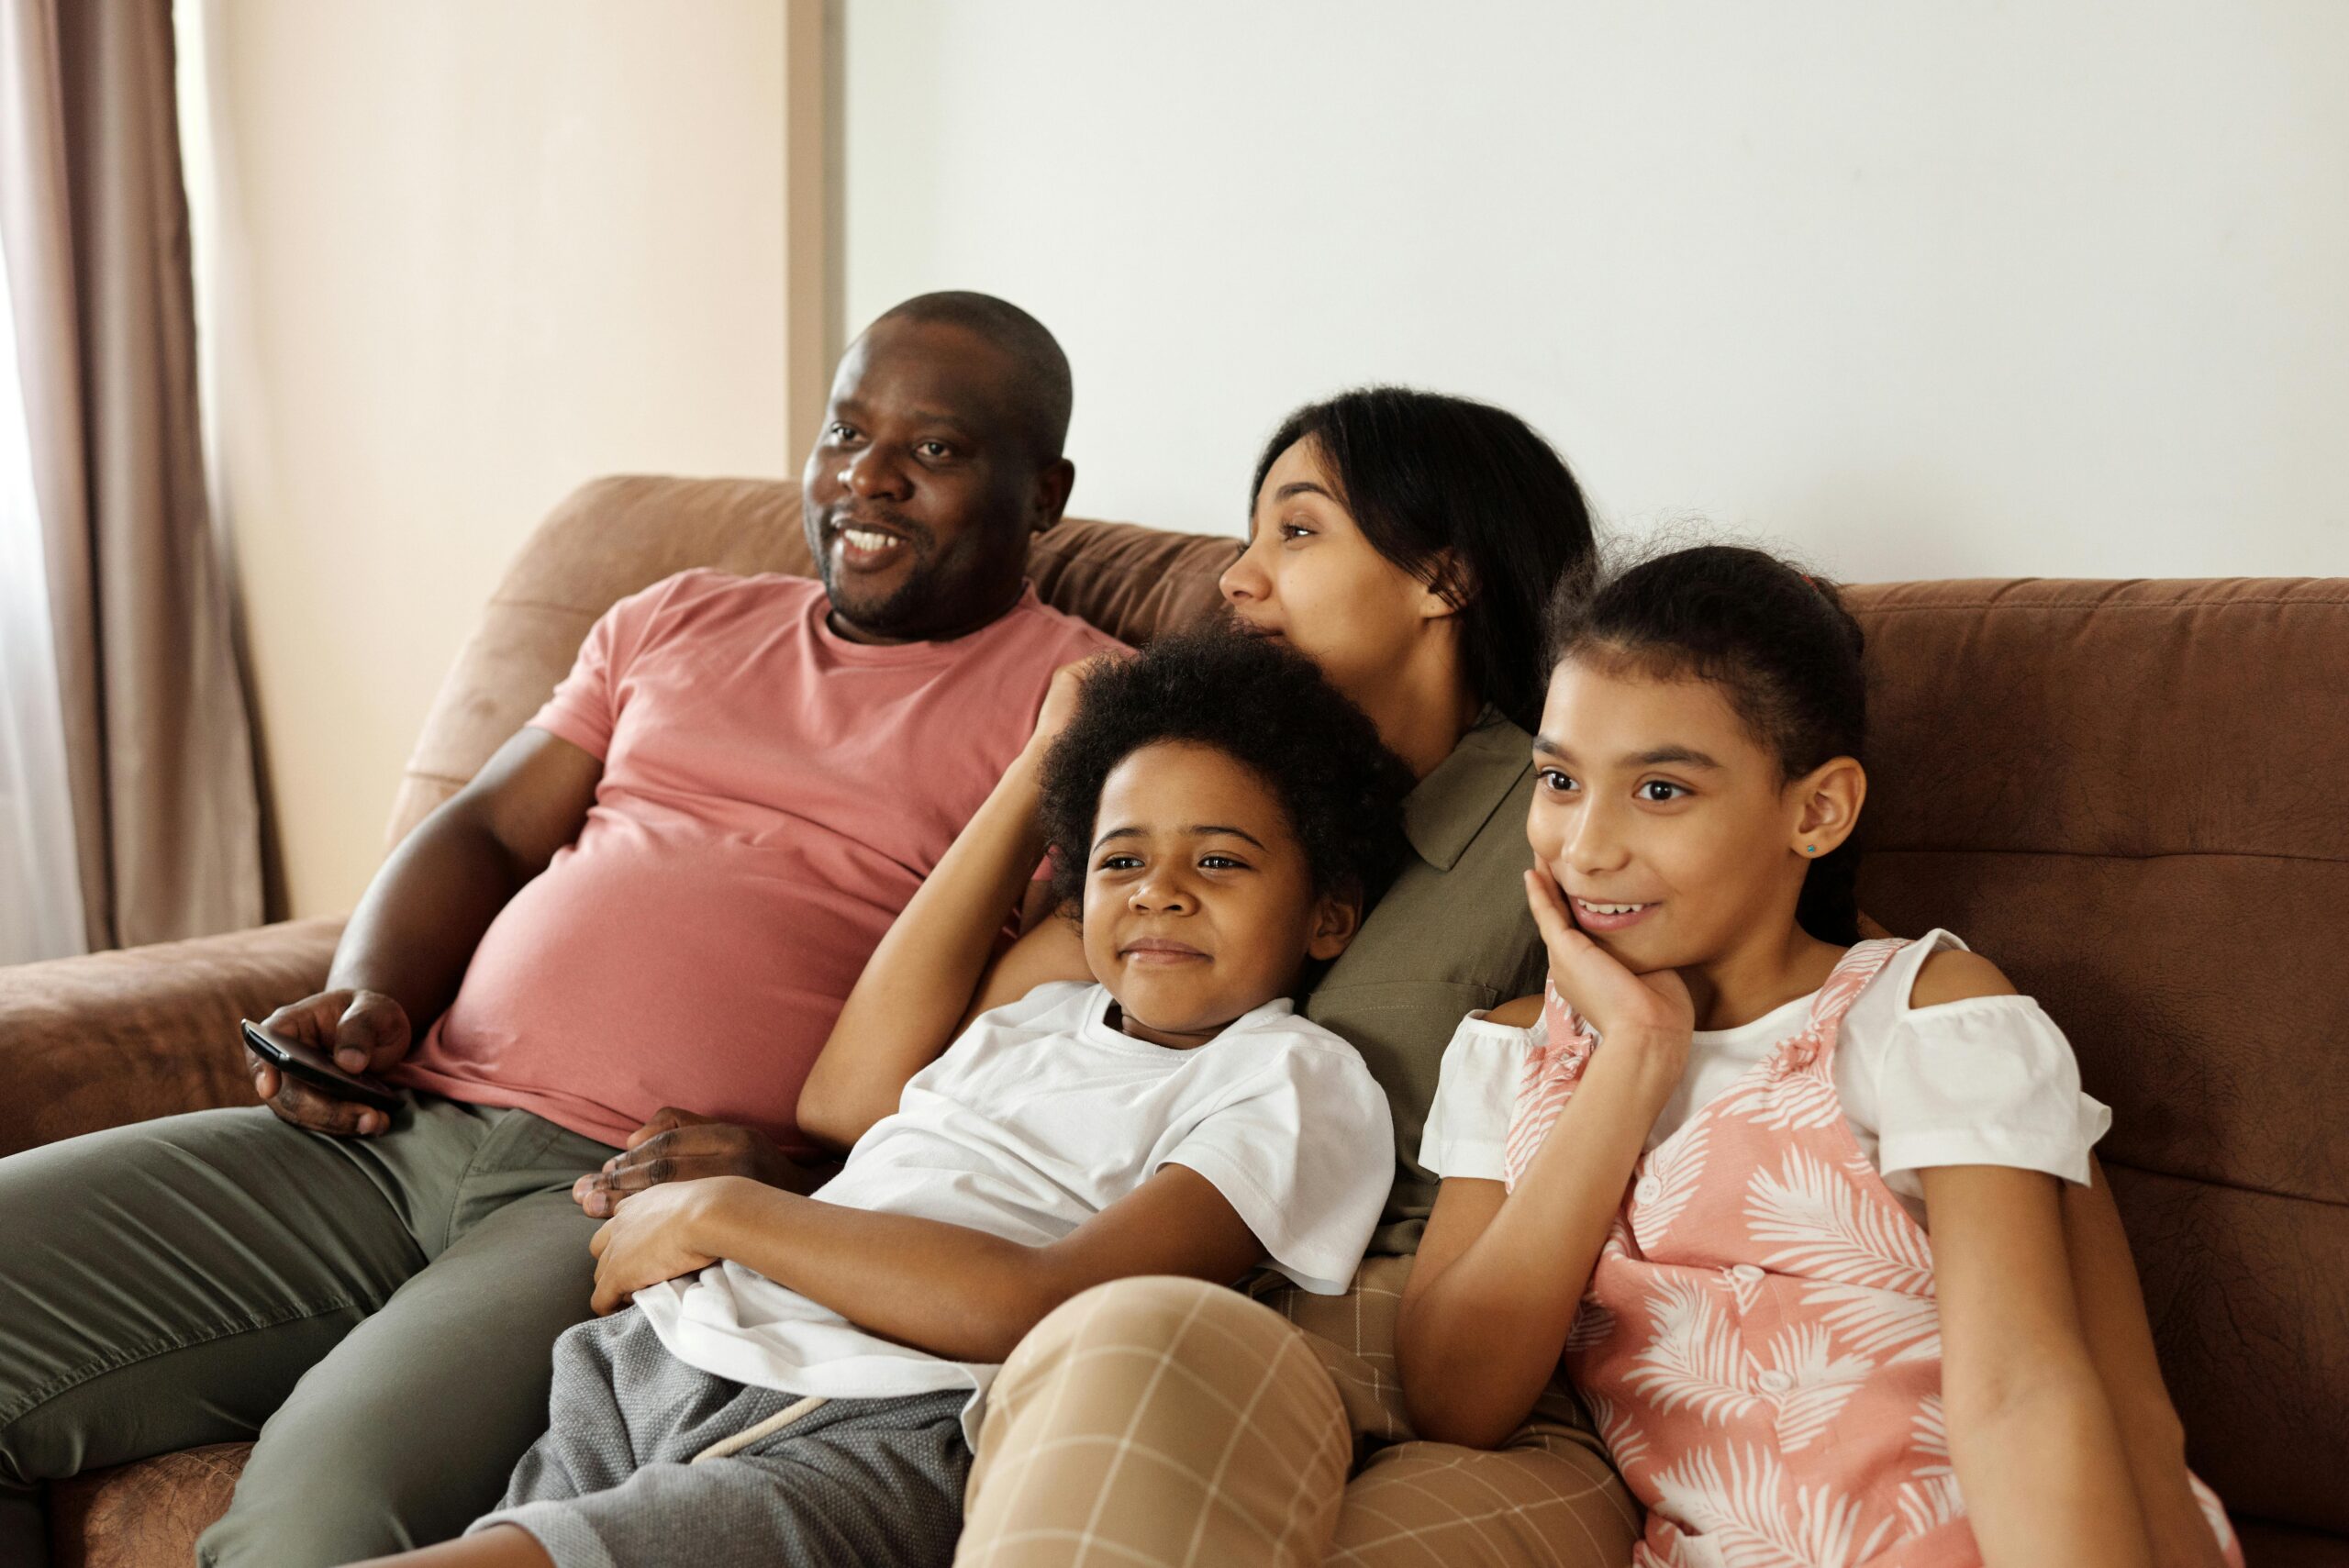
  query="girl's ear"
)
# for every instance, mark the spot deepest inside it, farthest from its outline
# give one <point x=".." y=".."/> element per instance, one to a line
<point x="1336" y="917"/>
<point x="1827" y="802"/>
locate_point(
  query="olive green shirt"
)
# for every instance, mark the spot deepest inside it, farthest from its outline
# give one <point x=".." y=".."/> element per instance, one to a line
<point x="1452" y="935"/>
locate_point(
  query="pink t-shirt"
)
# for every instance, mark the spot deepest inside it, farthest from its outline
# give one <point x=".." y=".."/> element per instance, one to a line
<point x="772" y="796"/>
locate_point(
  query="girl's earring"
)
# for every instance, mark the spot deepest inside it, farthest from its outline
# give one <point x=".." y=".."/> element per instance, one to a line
<point x="1811" y="849"/>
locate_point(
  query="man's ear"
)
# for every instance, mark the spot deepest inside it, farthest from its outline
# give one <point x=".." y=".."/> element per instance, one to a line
<point x="1336" y="917"/>
<point x="1053" y="482"/>
<point x="1827" y="802"/>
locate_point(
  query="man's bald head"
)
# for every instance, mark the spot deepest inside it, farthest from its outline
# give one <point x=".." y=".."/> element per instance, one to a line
<point x="1041" y="390"/>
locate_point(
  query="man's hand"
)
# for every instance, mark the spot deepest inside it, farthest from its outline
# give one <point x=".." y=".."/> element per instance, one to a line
<point x="364" y="1031"/>
<point x="679" y="1146"/>
<point x="657" y="1236"/>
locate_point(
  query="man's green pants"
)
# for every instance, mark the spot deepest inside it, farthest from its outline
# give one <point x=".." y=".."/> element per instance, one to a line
<point x="379" y="1311"/>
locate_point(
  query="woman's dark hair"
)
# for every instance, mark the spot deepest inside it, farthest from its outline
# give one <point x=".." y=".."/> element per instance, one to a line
<point x="1421" y="474"/>
<point x="1777" y="642"/>
<point x="1265" y="707"/>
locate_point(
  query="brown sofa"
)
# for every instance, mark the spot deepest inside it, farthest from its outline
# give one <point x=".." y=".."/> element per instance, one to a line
<point x="2123" y="792"/>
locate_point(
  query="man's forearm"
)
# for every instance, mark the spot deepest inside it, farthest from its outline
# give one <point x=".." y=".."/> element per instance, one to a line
<point x="421" y="917"/>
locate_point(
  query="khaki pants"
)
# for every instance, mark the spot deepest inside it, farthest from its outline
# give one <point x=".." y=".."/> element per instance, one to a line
<point x="1158" y="1422"/>
<point x="380" y="1311"/>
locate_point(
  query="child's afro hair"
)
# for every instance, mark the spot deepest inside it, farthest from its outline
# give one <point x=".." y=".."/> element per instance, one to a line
<point x="1264" y="705"/>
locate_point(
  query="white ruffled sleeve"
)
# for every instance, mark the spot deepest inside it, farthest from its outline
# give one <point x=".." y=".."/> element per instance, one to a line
<point x="1467" y="1126"/>
<point x="1985" y="1081"/>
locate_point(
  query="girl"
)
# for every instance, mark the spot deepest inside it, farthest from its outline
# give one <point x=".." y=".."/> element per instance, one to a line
<point x="1127" y="1092"/>
<point x="1787" y="1202"/>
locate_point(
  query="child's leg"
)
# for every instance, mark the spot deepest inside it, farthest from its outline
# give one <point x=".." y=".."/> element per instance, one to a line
<point x="500" y="1546"/>
<point x="849" y="1484"/>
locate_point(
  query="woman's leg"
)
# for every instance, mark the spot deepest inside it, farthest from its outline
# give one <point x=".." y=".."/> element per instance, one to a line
<point x="1546" y="1498"/>
<point x="1158" y="1422"/>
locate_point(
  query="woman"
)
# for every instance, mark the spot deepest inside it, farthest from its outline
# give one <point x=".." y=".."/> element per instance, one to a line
<point x="1405" y="542"/>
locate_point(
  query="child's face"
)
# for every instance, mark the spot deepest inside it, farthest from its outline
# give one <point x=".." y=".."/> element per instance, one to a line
<point x="1654" y="794"/>
<point x="1198" y="902"/>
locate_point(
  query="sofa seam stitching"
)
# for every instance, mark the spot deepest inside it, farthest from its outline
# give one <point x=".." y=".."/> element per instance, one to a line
<point x="2171" y="606"/>
<point x="2222" y="1182"/>
<point x="1867" y="849"/>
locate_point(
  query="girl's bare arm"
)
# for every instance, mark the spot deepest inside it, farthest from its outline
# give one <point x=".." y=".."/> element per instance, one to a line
<point x="1485" y="1315"/>
<point x="2031" y="1435"/>
<point x="2120" y="1341"/>
<point x="1499" y="1276"/>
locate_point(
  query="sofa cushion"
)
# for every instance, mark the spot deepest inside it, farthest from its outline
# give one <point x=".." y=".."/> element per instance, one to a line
<point x="2122" y="793"/>
<point x="143" y="1515"/>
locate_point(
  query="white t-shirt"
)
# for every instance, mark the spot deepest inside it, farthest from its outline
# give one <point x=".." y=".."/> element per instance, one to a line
<point x="1985" y="1081"/>
<point x="1040" y="1116"/>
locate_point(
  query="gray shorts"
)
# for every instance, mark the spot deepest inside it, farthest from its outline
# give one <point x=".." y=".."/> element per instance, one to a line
<point x="627" y="1476"/>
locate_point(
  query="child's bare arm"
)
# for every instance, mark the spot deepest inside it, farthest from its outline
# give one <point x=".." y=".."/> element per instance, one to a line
<point x="2031" y="1435"/>
<point x="2112" y="1318"/>
<point x="1499" y="1277"/>
<point x="932" y="970"/>
<point x="944" y="1288"/>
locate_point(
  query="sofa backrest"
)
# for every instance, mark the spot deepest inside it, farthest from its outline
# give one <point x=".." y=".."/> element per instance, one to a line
<point x="2120" y="791"/>
<point x="612" y="537"/>
<point x="2124" y="794"/>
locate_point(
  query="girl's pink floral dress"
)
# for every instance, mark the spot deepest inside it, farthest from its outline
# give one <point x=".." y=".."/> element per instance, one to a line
<point x="1759" y="1344"/>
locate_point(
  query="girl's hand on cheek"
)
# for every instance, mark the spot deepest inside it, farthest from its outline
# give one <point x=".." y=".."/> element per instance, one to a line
<point x="1649" y="1016"/>
<point x="655" y="1235"/>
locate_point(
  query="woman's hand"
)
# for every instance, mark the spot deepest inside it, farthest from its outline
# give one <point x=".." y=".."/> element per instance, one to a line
<point x="1650" y="1018"/>
<point x="659" y="1234"/>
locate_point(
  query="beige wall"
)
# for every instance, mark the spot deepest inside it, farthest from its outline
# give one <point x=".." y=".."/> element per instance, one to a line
<point x="459" y="257"/>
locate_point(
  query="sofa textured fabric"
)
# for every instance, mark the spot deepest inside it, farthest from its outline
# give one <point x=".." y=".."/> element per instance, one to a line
<point x="2121" y="792"/>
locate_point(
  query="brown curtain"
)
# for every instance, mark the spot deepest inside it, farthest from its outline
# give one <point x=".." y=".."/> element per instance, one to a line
<point x="95" y="216"/>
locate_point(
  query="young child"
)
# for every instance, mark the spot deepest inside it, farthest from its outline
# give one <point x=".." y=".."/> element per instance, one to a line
<point x="1789" y="1204"/>
<point x="801" y="1376"/>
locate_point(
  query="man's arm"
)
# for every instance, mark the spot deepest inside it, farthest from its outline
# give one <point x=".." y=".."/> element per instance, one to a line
<point x="947" y="1289"/>
<point x="406" y="949"/>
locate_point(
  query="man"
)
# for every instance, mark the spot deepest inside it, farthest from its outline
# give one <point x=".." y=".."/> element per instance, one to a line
<point x="657" y="894"/>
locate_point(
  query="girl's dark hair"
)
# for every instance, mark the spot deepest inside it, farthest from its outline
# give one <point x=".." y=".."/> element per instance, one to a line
<point x="1777" y="642"/>
<point x="1268" y="708"/>
<point x="1422" y="474"/>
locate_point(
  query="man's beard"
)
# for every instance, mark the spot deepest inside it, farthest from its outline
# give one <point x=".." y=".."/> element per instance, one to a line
<point x="901" y="607"/>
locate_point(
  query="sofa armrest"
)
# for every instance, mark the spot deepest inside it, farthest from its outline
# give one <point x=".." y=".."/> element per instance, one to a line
<point x="120" y="1037"/>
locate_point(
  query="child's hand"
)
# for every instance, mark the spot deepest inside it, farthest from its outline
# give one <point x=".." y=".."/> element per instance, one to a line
<point x="653" y="1236"/>
<point x="1650" y="1015"/>
<point x="1060" y="699"/>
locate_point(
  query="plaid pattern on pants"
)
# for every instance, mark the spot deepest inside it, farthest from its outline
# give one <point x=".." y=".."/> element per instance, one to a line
<point x="1162" y="1423"/>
